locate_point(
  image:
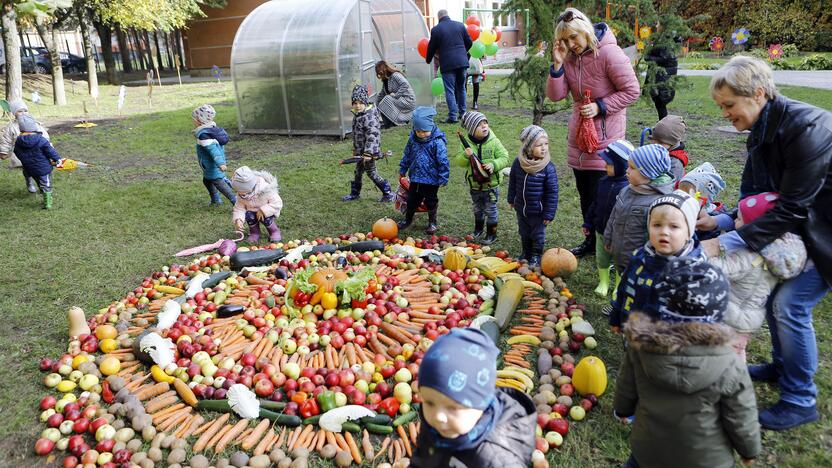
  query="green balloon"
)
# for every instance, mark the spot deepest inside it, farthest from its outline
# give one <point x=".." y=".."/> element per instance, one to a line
<point x="477" y="49"/>
<point x="437" y="87"/>
<point x="491" y="49"/>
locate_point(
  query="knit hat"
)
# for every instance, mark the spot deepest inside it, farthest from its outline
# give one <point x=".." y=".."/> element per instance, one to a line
<point x="707" y="181"/>
<point x="471" y="120"/>
<point x="683" y="202"/>
<point x="17" y="106"/>
<point x="27" y="123"/>
<point x="244" y="180"/>
<point x="462" y="365"/>
<point x="204" y="114"/>
<point x="757" y="205"/>
<point x="423" y="119"/>
<point x="360" y="94"/>
<point x="528" y="136"/>
<point x="670" y="130"/>
<point x="691" y="290"/>
<point x="651" y="160"/>
<point x="617" y="155"/>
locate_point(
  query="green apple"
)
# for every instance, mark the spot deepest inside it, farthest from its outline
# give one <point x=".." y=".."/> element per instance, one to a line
<point x="281" y="322"/>
<point x="218" y="382"/>
<point x="49" y="412"/>
<point x="403" y="392"/>
<point x="577" y="413"/>
<point x="590" y="343"/>
<point x="249" y="330"/>
<point x="554" y="439"/>
<point x="75" y="376"/>
<point x="405" y="408"/>
<point x="403" y="375"/>
<point x="290" y="346"/>
<point x="314" y="338"/>
<point x="344" y="312"/>
<point x="368" y="367"/>
<point x="52" y="380"/>
<point x="362" y="385"/>
<point x="65" y="369"/>
<point x="325" y="339"/>
<point x="227" y="363"/>
<point x="88" y="381"/>
<point x="292" y="370"/>
<point x="329" y="313"/>
<point x="340" y="399"/>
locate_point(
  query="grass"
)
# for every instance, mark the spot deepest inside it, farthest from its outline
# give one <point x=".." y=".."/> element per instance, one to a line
<point x="115" y="223"/>
<point x="713" y="59"/>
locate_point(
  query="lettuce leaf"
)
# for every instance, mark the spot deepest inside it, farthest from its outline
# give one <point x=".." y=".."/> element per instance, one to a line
<point x="301" y="280"/>
<point x="354" y="286"/>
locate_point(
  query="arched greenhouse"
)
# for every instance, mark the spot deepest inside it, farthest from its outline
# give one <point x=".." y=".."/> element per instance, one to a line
<point x="294" y="62"/>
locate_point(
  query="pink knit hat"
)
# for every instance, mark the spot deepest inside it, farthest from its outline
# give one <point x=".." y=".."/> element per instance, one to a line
<point x="755" y="206"/>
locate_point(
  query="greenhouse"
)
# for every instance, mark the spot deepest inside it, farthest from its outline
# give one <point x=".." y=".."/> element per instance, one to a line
<point x="294" y="62"/>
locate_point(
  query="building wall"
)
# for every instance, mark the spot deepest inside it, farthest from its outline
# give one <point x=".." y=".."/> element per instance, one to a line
<point x="208" y="40"/>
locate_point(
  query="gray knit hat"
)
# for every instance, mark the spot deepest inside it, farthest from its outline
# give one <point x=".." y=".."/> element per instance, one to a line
<point x="17" y="106"/>
<point x="244" y="180"/>
<point x="204" y="114"/>
<point x="360" y="94"/>
<point x="707" y="181"/>
<point x="670" y="130"/>
<point x="27" y="123"/>
<point x="529" y="135"/>
<point x="471" y="120"/>
<point x="683" y="202"/>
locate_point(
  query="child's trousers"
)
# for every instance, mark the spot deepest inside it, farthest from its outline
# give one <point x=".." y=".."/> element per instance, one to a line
<point x="532" y="231"/>
<point x="485" y="205"/>
<point x="419" y="193"/>
<point x="370" y="168"/>
<point x="217" y="186"/>
<point x="44" y="182"/>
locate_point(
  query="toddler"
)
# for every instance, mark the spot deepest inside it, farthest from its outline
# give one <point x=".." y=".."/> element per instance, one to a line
<point x="36" y="155"/>
<point x="366" y="142"/>
<point x="258" y="201"/>
<point x="10" y="134"/>
<point x="705" y="184"/>
<point x="477" y="73"/>
<point x="210" y="151"/>
<point x="670" y="133"/>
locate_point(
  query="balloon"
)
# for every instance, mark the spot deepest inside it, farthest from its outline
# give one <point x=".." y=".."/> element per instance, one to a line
<point x="472" y="19"/>
<point x="487" y="37"/>
<point x="477" y="49"/>
<point x="423" y="47"/>
<point x="437" y="87"/>
<point x="499" y="34"/>
<point x="491" y="49"/>
<point x="473" y="31"/>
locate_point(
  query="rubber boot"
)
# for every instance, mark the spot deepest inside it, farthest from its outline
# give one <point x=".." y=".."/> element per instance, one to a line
<point x="408" y="219"/>
<point x="274" y="232"/>
<point x="479" y="225"/>
<point x="387" y="195"/>
<point x="527" y="249"/>
<point x="433" y="226"/>
<point x="47" y="200"/>
<point x="617" y="280"/>
<point x="535" y="254"/>
<point x="355" y="192"/>
<point x="490" y="234"/>
<point x="586" y="248"/>
<point x="253" y="233"/>
<point x="31" y="186"/>
<point x="603" y="282"/>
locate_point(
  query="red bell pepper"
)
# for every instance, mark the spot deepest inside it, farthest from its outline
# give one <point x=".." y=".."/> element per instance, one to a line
<point x="309" y="408"/>
<point x="106" y="393"/>
<point x="390" y="406"/>
<point x="356" y="304"/>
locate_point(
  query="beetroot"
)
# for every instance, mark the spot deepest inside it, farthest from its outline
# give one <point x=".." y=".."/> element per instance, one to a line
<point x="228" y="247"/>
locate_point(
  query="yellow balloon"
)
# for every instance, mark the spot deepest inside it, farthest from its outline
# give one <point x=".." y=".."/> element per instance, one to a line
<point x="487" y="37"/>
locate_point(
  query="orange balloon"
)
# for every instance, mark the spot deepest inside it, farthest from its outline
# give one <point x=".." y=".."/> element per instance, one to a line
<point x="422" y="48"/>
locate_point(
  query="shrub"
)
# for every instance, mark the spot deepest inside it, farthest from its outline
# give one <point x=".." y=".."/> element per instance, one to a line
<point x="694" y="55"/>
<point x="781" y="64"/>
<point x="815" y="62"/>
<point x="704" y="66"/>
<point x="759" y="53"/>
<point x="790" y="50"/>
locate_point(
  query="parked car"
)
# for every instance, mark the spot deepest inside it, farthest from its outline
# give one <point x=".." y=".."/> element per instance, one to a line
<point x="36" y="60"/>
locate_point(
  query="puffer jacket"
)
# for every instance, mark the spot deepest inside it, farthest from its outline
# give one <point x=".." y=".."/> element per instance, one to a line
<point x="210" y="151"/>
<point x="754" y="275"/>
<point x="426" y="162"/>
<point x="603" y="203"/>
<point x="510" y="443"/>
<point x="450" y="40"/>
<point x="7" y="138"/>
<point x="690" y="393"/>
<point x="265" y="198"/>
<point x="626" y="228"/>
<point x="491" y="151"/>
<point x="366" y="132"/>
<point x="613" y="85"/>
<point x="34" y="152"/>
<point x="533" y="194"/>
<point x="678" y="163"/>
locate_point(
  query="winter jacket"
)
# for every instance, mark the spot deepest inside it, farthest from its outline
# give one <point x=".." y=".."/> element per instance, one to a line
<point x="366" y="133"/>
<point x="510" y="443"/>
<point x="210" y="151"/>
<point x="754" y="275"/>
<point x="713" y="209"/>
<point x="426" y="162"/>
<point x="691" y="395"/>
<point x="396" y="100"/>
<point x="265" y="198"/>
<point x="789" y="152"/>
<point x="533" y="194"/>
<point x="635" y="292"/>
<point x="613" y="85"/>
<point x="663" y="58"/>
<point x="490" y="151"/>
<point x="626" y="228"/>
<point x="678" y="163"/>
<point x="34" y="152"/>
<point x="601" y="208"/>
<point x="7" y="138"/>
<point x="451" y="40"/>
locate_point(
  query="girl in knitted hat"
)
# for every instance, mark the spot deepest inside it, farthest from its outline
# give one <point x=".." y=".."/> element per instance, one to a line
<point x="467" y="420"/>
<point x="9" y="135"/>
<point x="533" y="192"/>
<point x="258" y="202"/>
<point x="210" y="152"/>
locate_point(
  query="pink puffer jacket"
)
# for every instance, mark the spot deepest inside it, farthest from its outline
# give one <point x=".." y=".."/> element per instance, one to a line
<point x="610" y="78"/>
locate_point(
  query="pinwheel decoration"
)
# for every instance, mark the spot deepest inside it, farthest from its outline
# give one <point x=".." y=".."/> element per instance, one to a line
<point x="740" y="36"/>
<point x="645" y="32"/>
<point x="775" y="52"/>
<point x="716" y="44"/>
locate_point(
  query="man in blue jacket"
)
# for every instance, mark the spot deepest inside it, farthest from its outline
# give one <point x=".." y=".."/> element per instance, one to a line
<point x="450" y="40"/>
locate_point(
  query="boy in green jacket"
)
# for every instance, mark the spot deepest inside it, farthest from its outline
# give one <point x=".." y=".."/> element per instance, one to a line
<point x="484" y="157"/>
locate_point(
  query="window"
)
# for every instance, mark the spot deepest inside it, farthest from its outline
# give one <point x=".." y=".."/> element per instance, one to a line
<point x="505" y="20"/>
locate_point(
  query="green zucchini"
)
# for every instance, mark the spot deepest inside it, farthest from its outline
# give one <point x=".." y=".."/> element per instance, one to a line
<point x="321" y="248"/>
<point x="491" y="329"/>
<point x="379" y="428"/>
<point x="350" y="427"/>
<point x="215" y="279"/>
<point x="404" y="419"/>
<point x="312" y="419"/>
<point x="272" y="405"/>
<point x="382" y="419"/>
<point x="287" y="420"/>
<point x="241" y="260"/>
<point x="220" y="406"/>
<point x="363" y="246"/>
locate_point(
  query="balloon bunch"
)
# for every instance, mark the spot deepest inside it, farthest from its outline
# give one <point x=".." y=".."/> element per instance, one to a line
<point x="485" y="40"/>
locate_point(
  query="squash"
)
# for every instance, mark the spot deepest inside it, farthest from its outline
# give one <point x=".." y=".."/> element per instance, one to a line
<point x="590" y="376"/>
<point x="321" y="248"/>
<point x="363" y="246"/>
<point x="454" y="259"/>
<point x="491" y="329"/>
<point x="241" y="260"/>
<point x="385" y="229"/>
<point x="325" y="279"/>
<point x="507" y="300"/>
<point x="558" y="262"/>
<point x="77" y="322"/>
<point x="215" y="278"/>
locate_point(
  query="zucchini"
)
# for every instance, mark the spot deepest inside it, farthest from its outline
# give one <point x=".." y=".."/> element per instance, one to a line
<point x="404" y="419"/>
<point x="220" y="406"/>
<point x="382" y="419"/>
<point x="491" y="329"/>
<point x="312" y="420"/>
<point x="227" y="310"/>
<point x="255" y="257"/>
<point x="350" y="427"/>
<point x="379" y="428"/>
<point x="215" y="279"/>
<point x="363" y="246"/>
<point x="272" y="405"/>
<point x="507" y="300"/>
<point x="287" y="420"/>
<point x="321" y="248"/>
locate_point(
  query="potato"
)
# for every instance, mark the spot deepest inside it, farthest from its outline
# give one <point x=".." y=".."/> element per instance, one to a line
<point x="300" y="452"/>
<point x="285" y="463"/>
<point x="343" y="459"/>
<point x="276" y="455"/>
<point x="118" y="424"/>
<point x="547" y="334"/>
<point x="154" y="454"/>
<point x="403" y="463"/>
<point x="384" y="465"/>
<point x="554" y="374"/>
<point x="328" y="451"/>
<point x="176" y="456"/>
<point x="157" y="440"/>
<point x="299" y="463"/>
<point x="564" y="379"/>
<point x="565" y="400"/>
<point x="239" y="459"/>
<point x="260" y="461"/>
<point x="199" y="461"/>
<point x="544" y="362"/>
<point x="167" y="441"/>
<point x="134" y="445"/>
<point x="148" y="463"/>
<point x="547" y="345"/>
<point x="222" y="463"/>
<point x="148" y="433"/>
<point x="179" y="444"/>
<point x="138" y="457"/>
<point x="546" y="388"/>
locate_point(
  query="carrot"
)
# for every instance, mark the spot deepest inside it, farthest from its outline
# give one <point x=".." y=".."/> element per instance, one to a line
<point x="342" y="443"/>
<point x="414" y="434"/>
<point x="202" y="428"/>
<point x="302" y="437"/>
<point x="356" y="455"/>
<point x="159" y="417"/>
<point x="367" y="446"/>
<point x="281" y="438"/>
<point x="261" y="447"/>
<point x="197" y="420"/>
<point x="184" y="426"/>
<point x="136" y="383"/>
<point x="243" y="436"/>
<point x="397" y="447"/>
<point x="176" y="419"/>
<point x="256" y="434"/>
<point x="321" y="440"/>
<point x="350" y="354"/>
<point x="152" y="391"/>
<point x="384" y="444"/>
<point x="405" y="441"/>
<point x="290" y="443"/>
<point x="330" y="438"/>
<point x="393" y="332"/>
<point x="313" y="440"/>
<point x="233" y="432"/>
<point x="209" y="433"/>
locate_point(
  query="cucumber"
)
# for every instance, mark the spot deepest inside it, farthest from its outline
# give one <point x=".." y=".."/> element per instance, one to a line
<point x="312" y="420"/>
<point x="282" y="419"/>
<point x="404" y="419"/>
<point x="363" y="246"/>
<point x="220" y="406"/>
<point x="381" y="419"/>
<point x="379" y="428"/>
<point x="492" y="330"/>
<point x="272" y="405"/>
<point x="227" y="310"/>
<point x="215" y="279"/>
<point x="321" y="248"/>
<point x="350" y="427"/>
<point x="255" y="257"/>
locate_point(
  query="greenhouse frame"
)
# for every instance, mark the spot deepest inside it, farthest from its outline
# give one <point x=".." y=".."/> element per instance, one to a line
<point x="294" y="62"/>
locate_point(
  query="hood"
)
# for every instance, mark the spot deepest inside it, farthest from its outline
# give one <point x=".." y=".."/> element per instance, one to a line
<point x="684" y="357"/>
<point x="28" y="141"/>
<point x="266" y="182"/>
<point x="435" y="134"/>
<point x="210" y="132"/>
<point x="604" y="35"/>
<point x="519" y="416"/>
<point x="785" y="257"/>
<point x="660" y="186"/>
<point x="367" y="108"/>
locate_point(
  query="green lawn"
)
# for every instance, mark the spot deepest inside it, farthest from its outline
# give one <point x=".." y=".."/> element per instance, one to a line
<point x="713" y="59"/>
<point x="115" y="223"/>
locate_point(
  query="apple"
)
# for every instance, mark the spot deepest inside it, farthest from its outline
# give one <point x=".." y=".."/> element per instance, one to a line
<point x="44" y="446"/>
<point x="541" y="444"/>
<point x="52" y="380"/>
<point x="264" y="388"/>
<point x="74" y="441"/>
<point x="577" y="413"/>
<point x="560" y="409"/>
<point x="586" y="404"/>
<point x="46" y="364"/>
<point x="48" y="402"/>
<point x="402" y="375"/>
<point x="97" y="423"/>
<point x="590" y="343"/>
<point x="542" y="419"/>
<point x="248" y="359"/>
<point x="567" y="368"/>
<point x="340" y="399"/>
<point x="560" y="425"/>
<point x="105" y="445"/>
<point x="81" y="425"/>
<point x="55" y="420"/>
<point x="387" y="371"/>
<point x="70" y="462"/>
<point x="567" y="389"/>
<point x="292" y="370"/>
<point x="554" y="439"/>
<point x="332" y="379"/>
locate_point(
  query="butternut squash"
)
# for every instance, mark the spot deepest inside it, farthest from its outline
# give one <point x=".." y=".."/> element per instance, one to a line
<point x="508" y="299"/>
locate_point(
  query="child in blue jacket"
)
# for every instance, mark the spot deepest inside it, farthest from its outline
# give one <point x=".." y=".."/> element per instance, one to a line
<point x="210" y="151"/>
<point x="37" y="156"/>
<point x="533" y="192"/>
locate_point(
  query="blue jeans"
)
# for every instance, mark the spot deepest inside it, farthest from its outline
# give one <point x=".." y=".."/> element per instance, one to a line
<point x="794" y="348"/>
<point x="630" y="463"/>
<point x="485" y="205"/>
<point x="454" y="81"/>
<point x="217" y="186"/>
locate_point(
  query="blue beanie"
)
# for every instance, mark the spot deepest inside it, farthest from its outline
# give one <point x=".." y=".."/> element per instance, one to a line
<point x="423" y="119"/>
<point x="706" y="180"/>
<point x="462" y="365"/>
<point x="651" y="160"/>
<point x="618" y="155"/>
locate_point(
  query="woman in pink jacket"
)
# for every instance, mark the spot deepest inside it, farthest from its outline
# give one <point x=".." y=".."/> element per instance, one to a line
<point x="587" y="57"/>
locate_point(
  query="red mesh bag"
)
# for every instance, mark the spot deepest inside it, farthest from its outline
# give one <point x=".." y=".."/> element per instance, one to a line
<point x="587" y="138"/>
<point x="400" y="203"/>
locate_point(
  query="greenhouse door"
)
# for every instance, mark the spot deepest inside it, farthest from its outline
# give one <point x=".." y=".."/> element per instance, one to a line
<point x="368" y="63"/>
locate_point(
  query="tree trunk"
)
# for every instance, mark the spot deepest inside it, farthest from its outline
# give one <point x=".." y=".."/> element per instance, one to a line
<point x="158" y="50"/>
<point x="168" y="42"/>
<point x="140" y="50"/>
<point x="180" y="49"/>
<point x="92" y="71"/>
<point x="124" y="50"/>
<point x="151" y="58"/>
<point x="49" y="35"/>
<point x="106" y="36"/>
<point x="11" y="46"/>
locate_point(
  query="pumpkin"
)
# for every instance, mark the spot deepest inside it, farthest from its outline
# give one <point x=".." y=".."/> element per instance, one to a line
<point x="590" y="376"/>
<point x="77" y="322"/>
<point x="558" y="262"/>
<point x="454" y="259"/>
<point x="325" y="279"/>
<point x="385" y="228"/>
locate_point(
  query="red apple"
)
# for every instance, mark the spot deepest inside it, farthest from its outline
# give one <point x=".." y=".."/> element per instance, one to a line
<point x="105" y="445"/>
<point x="44" y="446"/>
<point x="586" y="405"/>
<point x="70" y="462"/>
<point x="96" y="424"/>
<point x="81" y="426"/>
<point x="264" y="388"/>
<point x="346" y="377"/>
<point x="74" y="441"/>
<point x="48" y="402"/>
<point x="307" y="386"/>
<point x="567" y="368"/>
<point x="55" y="420"/>
<point x="560" y="409"/>
<point x="541" y="444"/>
<point x="559" y="425"/>
<point x="567" y="389"/>
<point x="307" y="372"/>
<point x="46" y="364"/>
<point x="543" y="420"/>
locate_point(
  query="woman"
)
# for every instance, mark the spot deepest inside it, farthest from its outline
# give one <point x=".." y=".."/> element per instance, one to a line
<point x="789" y="152"/>
<point x="587" y="57"/>
<point x="662" y="67"/>
<point x="396" y="100"/>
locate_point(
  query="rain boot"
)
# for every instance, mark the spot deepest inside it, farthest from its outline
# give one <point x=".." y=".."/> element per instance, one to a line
<point x="617" y="280"/>
<point x="253" y="232"/>
<point x="31" y="186"/>
<point x="355" y="192"/>
<point x="479" y="225"/>
<point x="47" y="200"/>
<point x="490" y="234"/>
<point x="274" y="232"/>
<point x="586" y="248"/>
<point x="433" y="226"/>
<point x="408" y="219"/>
<point x="603" y="282"/>
<point x="387" y="195"/>
<point x="535" y="254"/>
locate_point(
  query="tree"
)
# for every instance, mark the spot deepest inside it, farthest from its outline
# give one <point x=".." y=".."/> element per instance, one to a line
<point x="11" y="46"/>
<point x="86" y="25"/>
<point x="47" y="16"/>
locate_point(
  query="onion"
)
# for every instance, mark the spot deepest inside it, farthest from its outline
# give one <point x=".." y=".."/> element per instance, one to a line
<point x="228" y="247"/>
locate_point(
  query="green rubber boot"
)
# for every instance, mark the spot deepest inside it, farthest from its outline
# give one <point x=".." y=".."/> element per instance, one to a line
<point x="617" y="281"/>
<point x="603" y="282"/>
<point x="47" y="200"/>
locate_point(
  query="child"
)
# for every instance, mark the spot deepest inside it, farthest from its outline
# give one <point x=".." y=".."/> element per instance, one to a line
<point x="425" y="158"/>
<point x="210" y="151"/>
<point x="477" y="74"/>
<point x="754" y="275"/>
<point x="691" y="395"/>
<point x="258" y="201"/>
<point x="366" y="142"/>
<point x="533" y="192"/>
<point x="672" y="221"/>
<point x="10" y="134"/>
<point x="670" y="133"/>
<point x="493" y="157"/>
<point x="37" y="156"/>
<point x="617" y="157"/>
<point x="705" y="184"/>
<point x="467" y="420"/>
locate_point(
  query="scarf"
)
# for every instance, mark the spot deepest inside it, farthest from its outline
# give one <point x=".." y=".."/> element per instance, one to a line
<point x="533" y="166"/>
<point x="490" y="417"/>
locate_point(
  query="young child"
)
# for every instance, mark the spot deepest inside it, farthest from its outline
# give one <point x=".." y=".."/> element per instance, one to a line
<point x="533" y="192"/>
<point x="425" y="159"/>
<point x="258" y="201"/>
<point x="617" y="157"/>
<point x="493" y="157"/>
<point x="366" y="142"/>
<point x="691" y="395"/>
<point x="670" y="133"/>
<point x="37" y="156"/>
<point x="8" y="136"/>
<point x="672" y="221"/>
<point x="705" y="184"/>
<point x="210" y="152"/>
<point x="477" y="74"/>
<point x="753" y="275"/>
<point x="467" y="421"/>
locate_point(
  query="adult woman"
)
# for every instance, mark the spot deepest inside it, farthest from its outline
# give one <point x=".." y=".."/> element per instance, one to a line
<point x="662" y="66"/>
<point x="395" y="100"/>
<point x="789" y="152"/>
<point x="587" y="58"/>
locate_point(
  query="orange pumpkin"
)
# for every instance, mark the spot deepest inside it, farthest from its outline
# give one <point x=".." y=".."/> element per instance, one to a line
<point x="385" y="229"/>
<point x="558" y="262"/>
<point x="325" y="279"/>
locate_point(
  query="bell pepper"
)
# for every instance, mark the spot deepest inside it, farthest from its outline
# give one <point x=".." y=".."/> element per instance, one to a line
<point x="299" y="397"/>
<point x="309" y="408"/>
<point x="359" y="304"/>
<point x="390" y="406"/>
<point x="107" y="393"/>
<point x="327" y="400"/>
